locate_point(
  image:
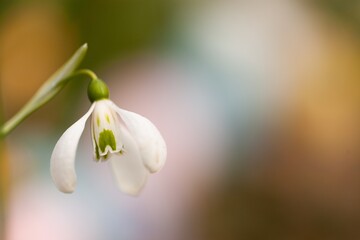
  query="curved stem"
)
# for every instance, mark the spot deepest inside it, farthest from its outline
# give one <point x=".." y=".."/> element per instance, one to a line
<point x="88" y="72"/>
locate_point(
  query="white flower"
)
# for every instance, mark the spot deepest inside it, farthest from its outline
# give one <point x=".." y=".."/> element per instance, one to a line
<point x="129" y="142"/>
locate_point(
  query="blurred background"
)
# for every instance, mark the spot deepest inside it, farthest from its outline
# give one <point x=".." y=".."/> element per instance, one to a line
<point x="258" y="101"/>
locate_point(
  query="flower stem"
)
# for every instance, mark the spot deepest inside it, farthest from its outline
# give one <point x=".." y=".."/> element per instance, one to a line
<point x="88" y="72"/>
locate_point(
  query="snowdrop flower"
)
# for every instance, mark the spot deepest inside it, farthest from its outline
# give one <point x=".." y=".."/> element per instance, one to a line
<point x="129" y="142"/>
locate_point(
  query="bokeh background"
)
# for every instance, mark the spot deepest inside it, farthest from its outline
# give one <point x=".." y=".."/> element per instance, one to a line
<point x="258" y="101"/>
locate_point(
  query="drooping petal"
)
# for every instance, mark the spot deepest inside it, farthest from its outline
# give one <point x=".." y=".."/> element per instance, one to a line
<point x="62" y="163"/>
<point x="128" y="168"/>
<point x="148" y="138"/>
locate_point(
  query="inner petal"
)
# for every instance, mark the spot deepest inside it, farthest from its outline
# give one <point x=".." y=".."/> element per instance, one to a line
<point x="105" y="126"/>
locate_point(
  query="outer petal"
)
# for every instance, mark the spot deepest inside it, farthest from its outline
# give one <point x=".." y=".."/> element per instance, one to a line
<point x="62" y="163"/>
<point x="148" y="138"/>
<point x="128" y="168"/>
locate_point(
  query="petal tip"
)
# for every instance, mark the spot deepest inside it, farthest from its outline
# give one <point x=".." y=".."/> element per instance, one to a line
<point x="64" y="184"/>
<point x="67" y="190"/>
<point x="157" y="160"/>
<point x="131" y="188"/>
<point x="134" y="192"/>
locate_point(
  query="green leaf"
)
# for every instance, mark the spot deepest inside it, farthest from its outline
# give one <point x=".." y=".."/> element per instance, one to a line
<point x="47" y="91"/>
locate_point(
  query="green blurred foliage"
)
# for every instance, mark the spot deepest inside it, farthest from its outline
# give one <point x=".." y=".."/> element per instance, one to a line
<point x="118" y="28"/>
<point x="345" y="11"/>
<point x="112" y="28"/>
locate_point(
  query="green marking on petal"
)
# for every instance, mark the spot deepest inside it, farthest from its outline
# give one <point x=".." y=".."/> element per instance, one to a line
<point x="98" y="121"/>
<point x="107" y="118"/>
<point x="97" y="154"/>
<point x="107" y="138"/>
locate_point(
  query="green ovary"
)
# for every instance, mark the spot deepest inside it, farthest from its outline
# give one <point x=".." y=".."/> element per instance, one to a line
<point x="107" y="138"/>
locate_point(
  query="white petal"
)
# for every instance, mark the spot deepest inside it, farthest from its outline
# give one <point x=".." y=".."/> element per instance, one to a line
<point x="62" y="163"/>
<point x="104" y="118"/>
<point x="128" y="168"/>
<point x="150" y="142"/>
